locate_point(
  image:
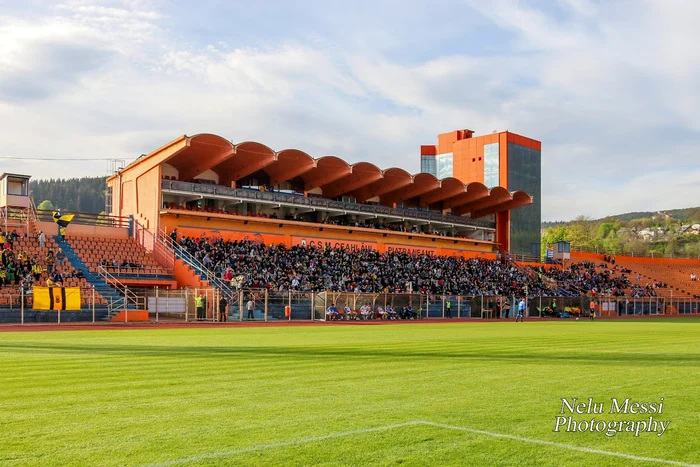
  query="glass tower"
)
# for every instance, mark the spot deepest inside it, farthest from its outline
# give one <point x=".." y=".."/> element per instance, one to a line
<point x="524" y="169"/>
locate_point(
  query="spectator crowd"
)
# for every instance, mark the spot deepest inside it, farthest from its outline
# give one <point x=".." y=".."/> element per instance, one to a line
<point x="20" y="269"/>
<point x="251" y="264"/>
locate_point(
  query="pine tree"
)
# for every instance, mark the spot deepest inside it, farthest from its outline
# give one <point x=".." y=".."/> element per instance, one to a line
<point x="85" y="194"/>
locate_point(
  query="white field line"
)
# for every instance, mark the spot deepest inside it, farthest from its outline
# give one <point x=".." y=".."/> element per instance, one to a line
<point x="559" y="445"/>
<point x="263" y="447"/>
<point x="314" y="439"/>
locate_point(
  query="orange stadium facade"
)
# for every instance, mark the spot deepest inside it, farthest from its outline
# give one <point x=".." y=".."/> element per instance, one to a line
<point x="205" y="184"/>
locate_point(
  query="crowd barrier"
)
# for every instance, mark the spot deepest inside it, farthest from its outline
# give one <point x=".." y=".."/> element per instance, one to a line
<point x="181" y="305"/>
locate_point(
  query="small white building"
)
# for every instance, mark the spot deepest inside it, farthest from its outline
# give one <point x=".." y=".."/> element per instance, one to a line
<point x="14" y="200"/>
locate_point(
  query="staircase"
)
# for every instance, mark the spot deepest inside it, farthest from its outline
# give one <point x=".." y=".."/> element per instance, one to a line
<point x="205" y="274"/>
<point x="116" y="302"/>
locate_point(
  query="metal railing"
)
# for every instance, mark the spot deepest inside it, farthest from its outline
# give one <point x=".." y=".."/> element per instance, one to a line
<point x="157" y="249"/>
<point x="200" y="269"/>
<point x="288" y="305"/>
<point x="128" y="297"/>
<point x="265" y="305"/>
<point x="11" y="217"/>
<point x="24" y="301"/>
<point x="86" y="218"/>
<point x="323" y="203"/>
<point x="33" y="216"/>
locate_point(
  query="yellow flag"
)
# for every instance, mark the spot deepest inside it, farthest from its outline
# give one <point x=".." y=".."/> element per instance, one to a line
<point x="56" y="298"/>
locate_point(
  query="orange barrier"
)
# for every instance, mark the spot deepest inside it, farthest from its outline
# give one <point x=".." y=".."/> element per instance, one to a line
<point x="131" y="316"/>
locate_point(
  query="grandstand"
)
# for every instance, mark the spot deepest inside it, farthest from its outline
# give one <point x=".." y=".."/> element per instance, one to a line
<point x="205" y="183"/>
<point x="673" y="273"/>
<point x="122" y="257"/>
<point x="28" y="247"/>
<point x="33" y="253"/>
<point x="202" y="217"/>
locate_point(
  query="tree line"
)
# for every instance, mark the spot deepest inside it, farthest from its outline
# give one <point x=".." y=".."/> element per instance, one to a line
<point x="660" y="235"/>
<point x="86" y="194"/>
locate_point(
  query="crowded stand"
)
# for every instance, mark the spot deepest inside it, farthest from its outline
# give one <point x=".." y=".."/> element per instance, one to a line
<point x="250" y="264"/>
<point x="33" y="261"/>
<point x="584" y="277"/>
<point x="311" y="269"/>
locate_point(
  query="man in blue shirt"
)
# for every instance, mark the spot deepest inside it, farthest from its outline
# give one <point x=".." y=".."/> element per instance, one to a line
<point x="410" y="314"/>
<point x="332" y="313"/>
<point x="521" y="311"/>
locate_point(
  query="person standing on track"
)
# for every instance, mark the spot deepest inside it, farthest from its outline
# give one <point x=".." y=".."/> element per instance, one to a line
<point x="223" y="313"/>
<point x="448" y="308"/>
<point x="521" y="311"/>
<point x="592" y="310"/>
<point x="199" y="304"/>
<point x="250" y="306"/>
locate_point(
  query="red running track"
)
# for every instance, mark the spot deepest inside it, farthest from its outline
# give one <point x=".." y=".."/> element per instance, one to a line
<point x="31" y="327"/>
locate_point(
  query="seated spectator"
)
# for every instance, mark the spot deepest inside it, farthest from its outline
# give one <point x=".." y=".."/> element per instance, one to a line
<point x="332" y="313"/>
<point x="381" y="313"/>
<point x="57" y="277"/>
<point x="60" y="258"/>
<point x="350" y="313"/>
<point x="409" y="313"/>
<point x="366" y="312"/>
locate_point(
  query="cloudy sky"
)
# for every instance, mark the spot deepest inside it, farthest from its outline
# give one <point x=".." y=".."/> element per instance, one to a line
<point x="609" y="87"/>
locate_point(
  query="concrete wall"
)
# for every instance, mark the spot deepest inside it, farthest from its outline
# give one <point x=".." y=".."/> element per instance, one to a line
<point x="51" y="228"/>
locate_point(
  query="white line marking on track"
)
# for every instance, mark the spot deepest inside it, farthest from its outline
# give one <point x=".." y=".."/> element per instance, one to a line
<point x="560" y="445"/>
<point x="313" y="439"/>
<point x="263" y="447"/>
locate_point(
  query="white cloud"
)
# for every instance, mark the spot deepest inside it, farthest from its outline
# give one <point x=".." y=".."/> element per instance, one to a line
<point x="609" y="90"/>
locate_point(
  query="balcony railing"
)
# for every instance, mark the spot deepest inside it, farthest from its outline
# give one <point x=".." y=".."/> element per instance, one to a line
<point x="322" y="203"/>
<point x="85" y="218"/>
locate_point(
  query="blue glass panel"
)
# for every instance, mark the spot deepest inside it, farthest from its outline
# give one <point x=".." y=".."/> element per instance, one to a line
<point x="524" y="173"/>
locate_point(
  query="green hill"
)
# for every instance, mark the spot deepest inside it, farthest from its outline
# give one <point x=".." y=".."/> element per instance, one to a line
<point x="664" y="233"/>
<point x="686" y="215"/>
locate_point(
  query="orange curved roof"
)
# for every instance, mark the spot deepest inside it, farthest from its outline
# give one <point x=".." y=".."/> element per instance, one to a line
<point x="422" y="183"/>
<point x="392" y="179"/>
<point x="203" y="151"/>
<point x="326" y="170"/>
<point x="473" y="192"/>
<point x="361" y="174"/>
<point x="497" y="197"/>
<point x="290" y="163"/>
<point x="335" y="177"/>
<point x="449" y="187"/>
<point x="516" y="199"/>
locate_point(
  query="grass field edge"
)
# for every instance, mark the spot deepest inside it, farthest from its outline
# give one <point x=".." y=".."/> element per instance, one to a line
<point x="314" y="439"/>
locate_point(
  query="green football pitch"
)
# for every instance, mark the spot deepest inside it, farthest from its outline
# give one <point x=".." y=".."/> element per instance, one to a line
<point x="406" y="394"/>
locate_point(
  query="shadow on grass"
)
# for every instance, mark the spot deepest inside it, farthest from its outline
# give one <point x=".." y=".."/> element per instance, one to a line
<point x="357" y="354"/>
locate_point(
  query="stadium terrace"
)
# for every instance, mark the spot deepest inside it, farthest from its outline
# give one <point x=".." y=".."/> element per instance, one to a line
<point x="214" y="230"/>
